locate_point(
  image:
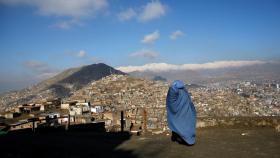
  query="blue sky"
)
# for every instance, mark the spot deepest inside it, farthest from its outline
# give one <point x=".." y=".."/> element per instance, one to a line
<point x="40" y="38"/>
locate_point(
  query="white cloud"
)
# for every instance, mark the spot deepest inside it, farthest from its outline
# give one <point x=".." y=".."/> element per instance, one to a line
<point x="81" y="54"/>
<point x="40" y="69"/>
<point x="69" y="8"/>
<point x="151" y="38"/>
<point x="176" y="34"/>
<point x="127" y="14"/>
<point x="145" y="54"/>
<point x="47" y="75"/>
<point x="74" y="10"/>
<point x="210" y="65"/>
<point x="152" y="10"/>
<point x="85" y="58"/>
<point x="67" y="24"/>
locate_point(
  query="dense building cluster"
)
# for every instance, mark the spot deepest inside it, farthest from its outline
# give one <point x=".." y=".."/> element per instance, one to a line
<point x="30" y="95"/>
<point x="119" y="92"/>
<point x="143" y="102"/>
<point x="238" y="99"/>
<point x="139" y="98"/>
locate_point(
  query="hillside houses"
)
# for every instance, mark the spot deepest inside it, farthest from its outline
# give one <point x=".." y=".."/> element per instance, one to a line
<point x="143" y="102"/>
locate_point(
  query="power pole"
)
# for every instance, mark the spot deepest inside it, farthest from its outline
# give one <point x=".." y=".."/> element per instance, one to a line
<point x="144" y="120"/>
<point x="122" y="122"/>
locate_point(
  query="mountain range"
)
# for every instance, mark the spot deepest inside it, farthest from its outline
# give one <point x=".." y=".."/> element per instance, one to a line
<point x="258" y="72"/>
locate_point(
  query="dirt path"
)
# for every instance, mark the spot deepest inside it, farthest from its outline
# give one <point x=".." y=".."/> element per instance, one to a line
<point x="211" y="142"/>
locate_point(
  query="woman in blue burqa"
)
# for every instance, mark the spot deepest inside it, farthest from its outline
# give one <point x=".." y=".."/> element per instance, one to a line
<point x="181" y="114"/>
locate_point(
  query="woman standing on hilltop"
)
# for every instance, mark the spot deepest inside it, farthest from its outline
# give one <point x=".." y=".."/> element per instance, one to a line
<point x="181" y="114"/>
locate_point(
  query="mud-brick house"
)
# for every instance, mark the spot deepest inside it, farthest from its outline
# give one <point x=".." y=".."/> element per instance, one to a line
<point x="97" y="109"/>
<point x="55" y="102"/>
<point x="11" y="115"/>
<point x="28" y="108"/>
<point x="50" y="104"/>
<point x="79" y="109"/>
<point x="115" y="119"/>
<point x="67" y="105"/>
<point x="22" y="125"/>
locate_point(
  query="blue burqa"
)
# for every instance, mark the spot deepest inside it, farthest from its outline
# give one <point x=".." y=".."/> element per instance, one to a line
<point x="181" y="113"/>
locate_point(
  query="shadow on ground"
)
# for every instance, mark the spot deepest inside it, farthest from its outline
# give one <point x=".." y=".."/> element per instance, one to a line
<point x="79" y="141"/>
<point x="210" y="143"/>
<point x="90" y="141"/>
